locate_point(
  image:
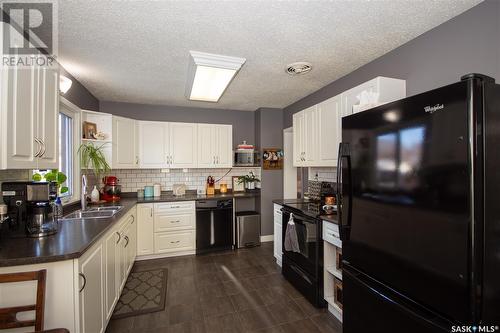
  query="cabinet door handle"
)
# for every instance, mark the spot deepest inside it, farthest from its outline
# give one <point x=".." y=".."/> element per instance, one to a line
<point x="84" y="281"/>
<point x="133" y="219"/>
<point x="39" y="147"/>
<point x="151" y="212"/>
<point x="127" y="239"/>
<point x="175" y="206"/>
<point x="217" y="159"/>
<point x="174" y="242"/>
<point x="214" y="159"/>
<point x="137" y="160"/>
<point x="43" y="148"/>
<point x="119" y="237"/>
<point x="176" y="221"/>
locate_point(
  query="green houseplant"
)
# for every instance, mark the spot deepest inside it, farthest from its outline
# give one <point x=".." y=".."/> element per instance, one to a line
<point x="92" y="158"/>
<point x="55" y="176"/>
<point x="249" y="180"/>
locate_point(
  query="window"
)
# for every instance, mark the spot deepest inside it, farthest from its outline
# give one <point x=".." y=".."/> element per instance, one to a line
<point x="66" y="151"/>
<point x="69" y="134"/>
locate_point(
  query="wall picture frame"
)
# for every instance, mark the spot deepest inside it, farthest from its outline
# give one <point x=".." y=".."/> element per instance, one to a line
<point x="238" y="187"/>
<point x="89" y="130"/>
<point x="272" y="158"/>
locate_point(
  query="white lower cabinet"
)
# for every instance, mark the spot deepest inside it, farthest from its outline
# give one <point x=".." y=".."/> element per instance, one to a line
<point x="166" y="229"/>
<point x="175" y="241"/>
<point x="91" y="275"/>
<point x="145" y="229"/>
<point x="102" y="272"/>
<point x="332" y="270"/>
<point x="278" y="233"/>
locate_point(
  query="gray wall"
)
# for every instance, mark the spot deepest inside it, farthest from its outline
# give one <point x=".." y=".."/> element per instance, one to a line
<point x="79" y="95"/>
<point x="465" y="44"/>
<point x="242" y="121"/>
<point x="269" y="134"/>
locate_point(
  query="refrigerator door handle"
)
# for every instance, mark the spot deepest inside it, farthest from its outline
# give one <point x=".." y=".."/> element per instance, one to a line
<point x="344" y="227"/>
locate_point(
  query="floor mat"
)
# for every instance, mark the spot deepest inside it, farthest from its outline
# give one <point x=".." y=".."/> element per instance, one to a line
<point x="145" y="291"/>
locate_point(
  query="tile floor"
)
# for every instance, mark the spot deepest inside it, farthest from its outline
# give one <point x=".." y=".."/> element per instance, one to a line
<point x="237" y="291"/>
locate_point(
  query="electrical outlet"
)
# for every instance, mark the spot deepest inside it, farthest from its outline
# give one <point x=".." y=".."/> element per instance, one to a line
<point x="165" y="170"/>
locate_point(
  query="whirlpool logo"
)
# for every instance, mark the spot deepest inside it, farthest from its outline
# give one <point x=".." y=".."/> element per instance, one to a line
<point x="475" y="329"/>
<point x="432" y="109"/>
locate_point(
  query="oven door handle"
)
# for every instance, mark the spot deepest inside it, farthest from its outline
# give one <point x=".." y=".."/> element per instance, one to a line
<point x="298" y="271"/>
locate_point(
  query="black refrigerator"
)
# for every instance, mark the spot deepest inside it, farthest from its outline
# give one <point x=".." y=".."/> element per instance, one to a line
<point x="419" y="206"/>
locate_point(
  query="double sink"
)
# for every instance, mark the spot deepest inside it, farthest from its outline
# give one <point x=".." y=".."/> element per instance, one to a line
<point x="94" y="213"/>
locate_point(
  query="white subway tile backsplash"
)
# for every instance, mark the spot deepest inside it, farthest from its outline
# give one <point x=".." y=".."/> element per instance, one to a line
<point x="195" y="179"/>
<point x="323" y="174"/>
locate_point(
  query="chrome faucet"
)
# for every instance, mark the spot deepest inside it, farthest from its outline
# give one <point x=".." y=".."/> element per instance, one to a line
<point x="83" y="197"/>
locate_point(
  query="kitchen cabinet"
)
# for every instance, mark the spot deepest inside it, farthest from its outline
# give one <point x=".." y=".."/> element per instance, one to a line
<point x="154" y="144"/>
<point x="145" y="229"/>
<point x="298" y="139"/>
<point x="317" y="130"/>
<point x="329" y="133"/>
<point x="125" y="143"/>
<point x="215" y="146"/>
<point x="183" y="151"/>
<point x="278" y="233"/>
<point x="91" y="290"/>
<point x="111" y="272"/>
<point x="388" y="90"/>
<point x="167" y="145"/>
<point x="332" y="270"/>
<point x="29" y="116"/>
<point x="166" y="229"/>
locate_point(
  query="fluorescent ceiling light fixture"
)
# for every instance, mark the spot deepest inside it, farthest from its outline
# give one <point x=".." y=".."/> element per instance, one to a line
<point x="64" y="83"/>
<point x="209" y="75"/>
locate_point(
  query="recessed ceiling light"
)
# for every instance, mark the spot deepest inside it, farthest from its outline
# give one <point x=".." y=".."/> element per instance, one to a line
<point x="298" y="68"/>
<point x="210" y="74"/>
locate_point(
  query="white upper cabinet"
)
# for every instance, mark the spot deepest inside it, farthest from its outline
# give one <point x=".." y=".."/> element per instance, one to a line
<point x="224" y="156"/>
<point x="183" y="145"/>
<point x="298" y="139"/>
<point x="317" y="130"/>
<point x="387" y="89"/>
<point x="215" y="146"/>
<point x="154" y="143"/>
<point x="125" y="152"/>
<point x="48" y="117"/>
<point x="28" y="121"/>
<point x="329" y="131"/>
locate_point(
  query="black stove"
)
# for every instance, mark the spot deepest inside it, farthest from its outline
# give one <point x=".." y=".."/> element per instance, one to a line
<point x="312" y="209"/>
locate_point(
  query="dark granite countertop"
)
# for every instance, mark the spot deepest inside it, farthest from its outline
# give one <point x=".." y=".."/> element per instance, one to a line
<point x="193" y="196"/>
<point x="77" y="236"/>
<point x="289" y="201"/>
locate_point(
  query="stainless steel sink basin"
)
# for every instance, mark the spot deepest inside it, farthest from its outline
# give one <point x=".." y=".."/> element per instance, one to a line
<point x="94" y="213"/>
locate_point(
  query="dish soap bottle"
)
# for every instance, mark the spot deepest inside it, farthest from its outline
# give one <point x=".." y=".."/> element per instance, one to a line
<point x="58" y="208"/>
<point x="94" y="196"/>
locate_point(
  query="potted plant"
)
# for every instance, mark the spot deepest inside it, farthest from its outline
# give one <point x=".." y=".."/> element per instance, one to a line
<point x="249" y="180"/>
<point x="92" y="157"/>
<point x="55" y="176"/>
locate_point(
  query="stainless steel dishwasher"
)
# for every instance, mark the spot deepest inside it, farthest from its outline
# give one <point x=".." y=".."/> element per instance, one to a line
<point x="214" y="225"/>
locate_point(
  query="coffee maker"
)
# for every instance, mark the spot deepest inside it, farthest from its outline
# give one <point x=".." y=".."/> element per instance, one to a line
<point x="29" y="208"/>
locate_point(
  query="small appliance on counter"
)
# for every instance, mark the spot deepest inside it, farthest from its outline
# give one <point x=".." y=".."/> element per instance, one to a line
<point x="246" y="155"/>
<point x="157" y="190"/>
<point x="112" y="189"/>
<point x="148" y="191"/>
<point x="210" y="189"/>
<point x="179" y="189"/>
<point x="30" y="208"/>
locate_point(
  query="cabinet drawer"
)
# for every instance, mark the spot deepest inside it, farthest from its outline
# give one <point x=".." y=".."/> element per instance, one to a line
<point x="174" y="241"/>
<point x="174" y="208"/>
<point x="167" y="222"/>
<point x="331" y="234"/>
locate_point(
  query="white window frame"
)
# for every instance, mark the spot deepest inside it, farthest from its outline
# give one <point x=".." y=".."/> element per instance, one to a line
<point x="73" y="111"/>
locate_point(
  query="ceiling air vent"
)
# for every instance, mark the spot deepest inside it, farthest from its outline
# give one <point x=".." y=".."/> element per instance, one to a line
<point x="298" y="68"/>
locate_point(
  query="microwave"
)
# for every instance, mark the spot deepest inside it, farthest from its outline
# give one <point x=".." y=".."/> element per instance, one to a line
<point x="246" y="157"/>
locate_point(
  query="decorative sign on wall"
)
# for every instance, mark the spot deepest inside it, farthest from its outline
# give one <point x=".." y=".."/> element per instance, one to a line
<point x="272" y="158"/>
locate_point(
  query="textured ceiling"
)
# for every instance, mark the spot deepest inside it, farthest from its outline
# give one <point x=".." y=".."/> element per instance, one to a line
<point x="137" y="51"/>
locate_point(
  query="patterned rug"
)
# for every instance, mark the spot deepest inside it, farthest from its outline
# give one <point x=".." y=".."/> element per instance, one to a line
<point x="144" y="292"/>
